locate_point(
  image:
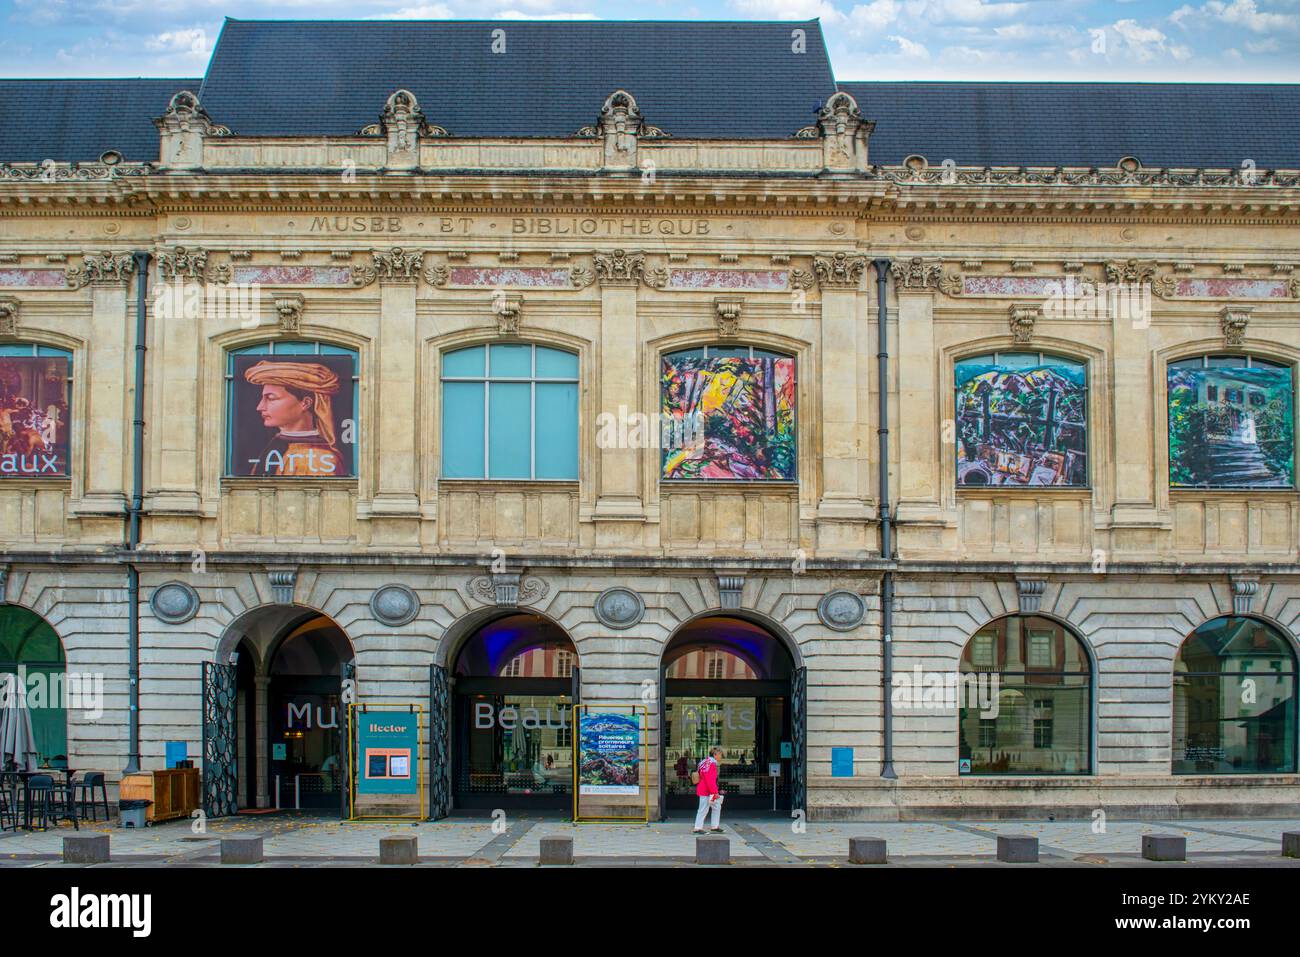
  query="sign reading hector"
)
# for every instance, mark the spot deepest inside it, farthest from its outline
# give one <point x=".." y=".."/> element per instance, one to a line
<point x="388" y="750"/>
<point x="609" y="755"/>
<point x="34" y="423"/>
<point x="293" y="415"/>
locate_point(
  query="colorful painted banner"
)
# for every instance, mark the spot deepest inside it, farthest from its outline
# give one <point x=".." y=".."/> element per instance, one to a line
<point x="1022" y="423"/>
<point x="1231" y="427"/>
<point x="609" y="755"/>
<point x="388" y="752"/>
<point x="727" y="417"/>
<point x="34" y="418"/>
<point x="292" y="415"/>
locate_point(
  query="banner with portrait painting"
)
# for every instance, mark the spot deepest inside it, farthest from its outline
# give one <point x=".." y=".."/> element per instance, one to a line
<point x="292" y="415"/>
<point x="34" y="416"/>
<point x="1022" y="424"/>
<point x="1231" y="427"/>
<point x="728" y="417"/>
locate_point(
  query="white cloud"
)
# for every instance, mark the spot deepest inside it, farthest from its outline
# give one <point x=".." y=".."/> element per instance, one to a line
<point x="193" y="40"/>
<point x="789" y="10"/>
<point x="870" y="18"/>
<point x="1239" y="13"/>
<point x="910" y="48"/>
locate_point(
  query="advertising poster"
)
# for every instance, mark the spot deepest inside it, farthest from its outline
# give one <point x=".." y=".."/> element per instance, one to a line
<point x="388" y="752"/>
<point x="610" y="755"/>
<point x="736" y="418"/>
<point x="293" y="415"/>
<point x="1022" y="425"/>
<point x="1231" y="428"/>
<point x="34" y="422"/>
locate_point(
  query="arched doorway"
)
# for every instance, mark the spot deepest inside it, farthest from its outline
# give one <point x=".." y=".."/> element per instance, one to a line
<point x="274" y="703"/>
<point x="31" y="650"/>
<point x="516" y="681"/>
<point x="730" y="683"/>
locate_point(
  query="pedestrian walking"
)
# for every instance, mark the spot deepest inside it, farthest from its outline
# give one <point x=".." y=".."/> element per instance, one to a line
<point x="705" y="778"/>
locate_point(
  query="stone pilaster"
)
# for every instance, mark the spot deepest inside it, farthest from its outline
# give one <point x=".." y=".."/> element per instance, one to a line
<point x="109" y="391"/>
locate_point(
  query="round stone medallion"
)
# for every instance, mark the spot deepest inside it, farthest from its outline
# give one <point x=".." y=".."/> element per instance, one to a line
<point x="394" y="605"/>
<point x="619" y="608"/>
<point x="174" y="602"/>
<point x="842" y="610"/>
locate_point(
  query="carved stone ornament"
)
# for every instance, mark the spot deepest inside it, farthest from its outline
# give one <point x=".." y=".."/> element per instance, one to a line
<point x="1030" y="592"/>
<point x="102" y="269"/>
<point x="1233" y="321"/>
<point x="841" y="610"/>
<point x="840" y="270"/>
<point x="394" y="605"/>
<point x="402" y="121"/>
<point x="620" y="115"/>
<point x="951" y="284"/>
<point x="730" y="588"/>
<point x="8" y="317"/>
<point x="843" y="131"/>
<point x="437" y="274"/>
<point x="1244" y="591"/>
<point x="288" y="313"/>
<point x="1021" y="317"/>
<point x="619" y="268"/>
<point x="182" y="263"/>
<point x="728" y="316"/>
<point x="397" y="264"/>
<point x="185" y="115"/>
<point x="1130" y="271"/>
<point x="284" y="580"/>
<point x="917" y="273"/>
<point x="619" y="608"/>
<point x="507" y="589"/>
<point x="508" y="310"/>
<point x="174" y="603"/>
<point x="581" y="276"/>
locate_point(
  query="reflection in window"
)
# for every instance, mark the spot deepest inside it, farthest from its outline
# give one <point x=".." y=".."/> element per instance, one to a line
<point x="1022" y="419"/>
<point x="510" y="411"/>
<point x="1234" y="700"/>
<point x="728" y="414"/>
<point x="1025" y="699"/>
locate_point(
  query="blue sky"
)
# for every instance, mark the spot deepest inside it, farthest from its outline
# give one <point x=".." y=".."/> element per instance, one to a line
<point x="1112" y="40"/>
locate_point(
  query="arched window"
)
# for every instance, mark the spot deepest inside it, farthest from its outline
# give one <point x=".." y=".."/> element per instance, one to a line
<point x="1231" y="423"/>
<point x="1022" y="419"/>
<point x="510" y="411"/>
<point x="31" y="650"/>
<point x="1025" y="700"/>
<point x="728" y="413"/>
<point x="35" y="417"/>
<point x="1234" y="700"/>
<point x="291" y="410"/>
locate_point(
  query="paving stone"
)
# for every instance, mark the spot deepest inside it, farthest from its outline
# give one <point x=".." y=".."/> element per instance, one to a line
<point x="1164" y="847"/>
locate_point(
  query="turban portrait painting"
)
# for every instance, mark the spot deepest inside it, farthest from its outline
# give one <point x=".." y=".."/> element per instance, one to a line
<point x="293" y="415"/>
<point x="34" y="419"/>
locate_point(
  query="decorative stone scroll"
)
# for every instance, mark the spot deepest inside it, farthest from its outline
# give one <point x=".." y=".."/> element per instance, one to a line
<point x="619" y="608"/>
<point x="621" y="125"/>
<point x="174" y="603"/>
<point x="288" y="314"/>
<point x="283" y="580"/>
<point x="183" y="263"/>
<point x="8" y="317"/>
<point x="1233" y="321"/>
<point x="508" y="310"/>
<point x="185" y="115"/>
<point x="619" y="268"/>
<point x="393" y="265"/>
<point x="507" y="589"/>
<point x="729" y="590"/>
<point x="917" y="273"/>
<point x="727" y="312"/>
<point x="1030" y="592"/>
<point x="841" y="610"/>
<point x="1244" y="591"/>
<point x="1021" y="319"/>
<point x="840" y="270"/>
<point x="102" y="269"/>
<point x="402" y="120"/>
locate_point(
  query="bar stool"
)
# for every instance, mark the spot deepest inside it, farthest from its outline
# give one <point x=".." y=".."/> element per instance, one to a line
<point x="42" y="801"/>
<point x="89" y="781"/>
<point x="8" y="802"/>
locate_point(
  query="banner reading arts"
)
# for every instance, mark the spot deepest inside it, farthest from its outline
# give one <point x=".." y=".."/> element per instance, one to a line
<point x="34" y="420"/>
<point x="610" y="753"/>
<point x="291" y="415"/>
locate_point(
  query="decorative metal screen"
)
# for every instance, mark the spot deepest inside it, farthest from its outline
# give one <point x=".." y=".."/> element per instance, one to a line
<point x="220" y="774"/>
<point x="799" y="740"/>
<point x="439" y="742"/>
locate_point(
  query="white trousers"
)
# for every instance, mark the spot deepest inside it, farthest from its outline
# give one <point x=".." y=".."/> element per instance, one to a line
<point x="704" y="809"/>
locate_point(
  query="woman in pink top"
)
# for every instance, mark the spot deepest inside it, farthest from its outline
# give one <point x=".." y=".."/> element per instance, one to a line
<point x="707" y="790"/>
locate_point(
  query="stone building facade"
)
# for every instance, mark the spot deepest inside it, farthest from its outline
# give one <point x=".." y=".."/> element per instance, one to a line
<point x="619" y="245"/>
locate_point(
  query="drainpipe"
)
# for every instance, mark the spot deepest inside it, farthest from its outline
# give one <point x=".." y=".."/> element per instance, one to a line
<point x="886" y="522"/>
<point x="133" y="516"/>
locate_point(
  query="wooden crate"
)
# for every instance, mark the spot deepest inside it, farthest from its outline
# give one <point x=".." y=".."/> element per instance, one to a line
<point x="173" y="793"/>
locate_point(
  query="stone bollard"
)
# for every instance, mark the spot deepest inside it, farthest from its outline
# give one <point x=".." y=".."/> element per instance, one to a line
<point x="1017" y="849"/>
<point x="85" y="849"/>
<point x="1164" y="847"/>
<point x="241" y="849"/>
<point x="557" y="850"/>
<point x="398" y="850"/>
<point x="713" y="850"/>
<point x="1291" y="843"/>
<point x="867" y="850"/>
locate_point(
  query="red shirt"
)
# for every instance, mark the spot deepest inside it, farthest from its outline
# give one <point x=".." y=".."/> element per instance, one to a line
<point x="708" y="772"/>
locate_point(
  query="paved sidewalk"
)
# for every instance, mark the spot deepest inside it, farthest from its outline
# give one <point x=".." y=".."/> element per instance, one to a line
<point x="292" y="840"/>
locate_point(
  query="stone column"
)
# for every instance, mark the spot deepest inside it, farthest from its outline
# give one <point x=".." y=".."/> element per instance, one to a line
<point x="109" y="374"/>
<point x="620" y="511"/>
<point x="1135" y="518"/>
<point x="262" y="757"/>
<point x="920" y="483"/>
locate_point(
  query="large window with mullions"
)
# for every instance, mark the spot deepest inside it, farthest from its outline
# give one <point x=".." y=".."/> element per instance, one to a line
<point x="510" y="411"/>
<point x="1235" y="700"/>
<point x="1025" y="700"/>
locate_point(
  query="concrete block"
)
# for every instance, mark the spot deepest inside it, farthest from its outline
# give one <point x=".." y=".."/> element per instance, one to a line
<point x="557" y="850"/>
<point x="241" y="849"/>
<point x="398" y="850"/>
<point x="1291" y="843"/>
<point x="85" y="849"/>
<point x="1017" y="849"/>
<point x="1164" y="847"/>
<point x="713" y="850"/>
<point x="867" y="850"/>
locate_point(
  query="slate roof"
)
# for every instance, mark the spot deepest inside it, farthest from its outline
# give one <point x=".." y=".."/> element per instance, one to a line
<point x="691" y="79"/>
<point x="77" y="120"/>
<point x="1196" y="125"/>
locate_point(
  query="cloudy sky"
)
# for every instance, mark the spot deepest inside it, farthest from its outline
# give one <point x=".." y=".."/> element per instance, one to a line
<point x="1116" y="40"/>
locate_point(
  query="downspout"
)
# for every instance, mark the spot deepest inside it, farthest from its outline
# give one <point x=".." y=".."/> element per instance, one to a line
<point x="886" y="521"/>
<point x="133" y="516"/>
